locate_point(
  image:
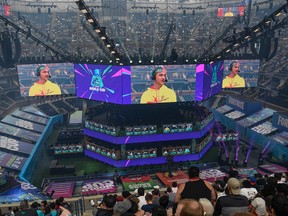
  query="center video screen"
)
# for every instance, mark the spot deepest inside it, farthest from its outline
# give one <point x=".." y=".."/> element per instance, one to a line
<point x="103" y="83"/>
<point x="240" y="73"/>
<point x="46" y="79"/>
<point x="152" y="84"/>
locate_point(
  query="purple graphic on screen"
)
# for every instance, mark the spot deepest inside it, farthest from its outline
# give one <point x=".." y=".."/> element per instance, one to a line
<point x="103" y="83"/>
<point x="208" y="80"/>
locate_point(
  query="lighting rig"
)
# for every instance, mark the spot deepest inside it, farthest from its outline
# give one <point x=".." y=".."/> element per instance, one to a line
<point x="249" y="35"/>
<point x="100" y="30"/>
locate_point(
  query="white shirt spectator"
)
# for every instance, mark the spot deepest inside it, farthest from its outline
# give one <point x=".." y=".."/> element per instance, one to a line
<point x="259" y="204"/>
<point x="250" y="193"/>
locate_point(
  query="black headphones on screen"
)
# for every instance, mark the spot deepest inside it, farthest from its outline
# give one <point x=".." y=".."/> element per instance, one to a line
<point x="157" y="70"/>
<point x="41" y="67"/>
<point x="232" y="64"/>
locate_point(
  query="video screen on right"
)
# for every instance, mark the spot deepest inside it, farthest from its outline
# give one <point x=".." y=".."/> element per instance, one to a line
<point x="240" y="73"/>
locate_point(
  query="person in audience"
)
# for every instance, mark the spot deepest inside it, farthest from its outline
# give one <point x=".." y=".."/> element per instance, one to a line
<point x="10" y="211"/>
<point x="53" y="211"/>
<point x="233" y="80"/>
<point x="170" y="194"/>
<point x="258" y="206"/>
<point x="158" y="92"/>
<point x="279" y="177"/>
<point x="248" y="191"/>
<point x="44" y="86"/>
<point x="253" y="183"/>
<point x="233" y="202"/>
<point x="123" y="206"/>
<point x="207" y="206"/>
<point x="15" y="209"/>
<point x="159" y="211"/>
<point x="279" y="206"/>
<point x="282" y="189"/>
<point x="174" y="187"/>
<point x="165" y="203"/>
<point x="25" y="210"/>
<point x="107" y="206"/>
<point x="141" y="197"/>
<point x="219" y="186"/>
<point x="37" y="207"/>
<point x="189" y="207"/>
<point x="196" y="188"/>
<point x="147" y="208"/>
<point x="156" y="196"/>
<point x="260" y="181"/>
<point x="270" y="188"/>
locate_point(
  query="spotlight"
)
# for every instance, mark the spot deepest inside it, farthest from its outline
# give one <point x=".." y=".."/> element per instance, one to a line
<point x="89" y="18"/>
<point x="131" y="61"/>
<point x="140" y="61"/>
<point x="278" y="14"/>
<point x="245" y="163"/>
<point x="112" y="52"/>
<point x="81" y="7"/>
<point x="110" y="61"/>
<point x="256" y="30"/>
<point x="98" y="30"/>
<point x="152" y="61"/>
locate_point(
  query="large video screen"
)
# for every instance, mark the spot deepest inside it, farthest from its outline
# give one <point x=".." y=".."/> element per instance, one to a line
<point x="232" y="11"/>
<point x="240" y="73"/>
<point x="208" y="78"/>
<point x="103" y="83"/>
<point x="46" y="79"/>
<point x="162" y="84"/>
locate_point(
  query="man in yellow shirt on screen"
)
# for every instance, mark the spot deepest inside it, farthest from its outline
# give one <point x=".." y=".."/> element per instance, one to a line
<point x="43" y="86"/>
<point x="158" y="92"/>
<point x="233" y="80"/>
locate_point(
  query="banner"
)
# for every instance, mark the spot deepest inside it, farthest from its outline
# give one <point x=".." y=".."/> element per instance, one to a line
<point x="18" y="132"/>
<point x="211" y="174"/>
<point x="62" y="189"/>
<point x="179" y="176"/>
<point x="281" y="138"/>
<point x="132" y="183"/>
<point x="244" y="173"/>
<point x="15" y="145"/>
<point x="92" y="187"/>
<point x="280" y="121"/>
<point x="12" y="161"/>
<point x="30" y="117"/>
<point x="274" y="168"/>
<point x="23" y="124"/>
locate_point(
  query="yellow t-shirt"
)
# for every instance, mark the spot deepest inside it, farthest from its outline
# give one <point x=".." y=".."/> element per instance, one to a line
<point x="235" y="82"/>
<point x="48" y="88"/>
<point x="162" y="95"/>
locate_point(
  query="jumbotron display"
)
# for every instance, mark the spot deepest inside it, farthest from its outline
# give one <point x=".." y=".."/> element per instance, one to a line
<point x="240" y="73"/>
<point x="103" y="83"/>
<point x="46" y="79"/>
<point x="141" y="84"/>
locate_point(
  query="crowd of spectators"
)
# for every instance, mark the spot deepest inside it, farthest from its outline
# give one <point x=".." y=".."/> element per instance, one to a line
<point x="256" y="195"/>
